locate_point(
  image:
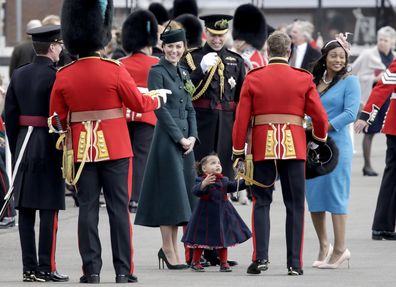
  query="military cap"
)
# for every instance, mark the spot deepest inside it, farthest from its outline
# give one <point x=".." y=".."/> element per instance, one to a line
<point x="216" y="23"/>
<point x="172" y="36"/>
<point x="139" y="30"/>
<point x="249" y="25"/>
<point x="49" y="33"/>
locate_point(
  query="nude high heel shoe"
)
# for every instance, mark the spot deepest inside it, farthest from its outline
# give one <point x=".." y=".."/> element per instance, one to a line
<point x="346" y="256"/>
<point x="316" y="263"/>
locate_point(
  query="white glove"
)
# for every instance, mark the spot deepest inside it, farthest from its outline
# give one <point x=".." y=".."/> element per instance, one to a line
<point x="163" y="93"/>
<point x="208" y="61"/>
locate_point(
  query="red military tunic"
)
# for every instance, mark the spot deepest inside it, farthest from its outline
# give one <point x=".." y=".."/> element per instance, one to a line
<point x="272" y="90"/>
<point x="138" y="65"/>
<point x="378" y="96"/>
<point x="253" y="59"/>
<point x="98" y="84"/>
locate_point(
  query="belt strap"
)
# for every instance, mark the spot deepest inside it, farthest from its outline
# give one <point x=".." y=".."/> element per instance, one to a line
<point x="96" y="115"/>
<point x="277" y="119"/>
<point x="34" y="121"/>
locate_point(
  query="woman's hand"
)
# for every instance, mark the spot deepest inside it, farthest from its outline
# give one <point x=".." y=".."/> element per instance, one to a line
<point x="210" y="179"/>
<point x="192" y="144"/>
<point x="361" y="125"/>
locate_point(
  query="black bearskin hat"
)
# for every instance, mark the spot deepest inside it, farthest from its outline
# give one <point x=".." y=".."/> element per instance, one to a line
<point x="159" y="12"/>
<point x="185" y="7"/>
<point x="323" y="160"/>
<point x="193" y="28"/>
<point x="86" y="25"/>
<point x="139" y="30"/>
<point x="250" y="25"/>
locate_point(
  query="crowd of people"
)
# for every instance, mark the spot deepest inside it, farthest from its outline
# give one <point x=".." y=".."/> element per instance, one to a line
<point x="175" y="121"/>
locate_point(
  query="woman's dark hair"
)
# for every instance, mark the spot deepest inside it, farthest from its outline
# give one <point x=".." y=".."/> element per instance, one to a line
<point x="320" y="66"/>
<point x="203" y="161"/>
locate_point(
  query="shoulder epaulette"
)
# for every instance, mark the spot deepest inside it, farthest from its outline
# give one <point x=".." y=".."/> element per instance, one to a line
<point x="302" y="70"/>
<point x="118" y="63"/>
<point x="255" y="69"/>
<point x="234" y="53"/>
<point x="65" y="66"/>
<point x="193" y="50"/>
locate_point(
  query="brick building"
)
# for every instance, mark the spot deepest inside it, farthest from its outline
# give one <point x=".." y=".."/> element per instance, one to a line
<point x="30" y="9"/>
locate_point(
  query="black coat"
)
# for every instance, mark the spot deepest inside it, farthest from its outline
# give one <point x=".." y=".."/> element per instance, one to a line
<point x="39" y="182"/>
<point x="310" y="57"/>
<point x="214" y="124"/>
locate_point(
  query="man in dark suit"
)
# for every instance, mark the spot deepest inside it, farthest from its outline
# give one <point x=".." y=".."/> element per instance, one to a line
<point x="23" y="53"/>
<point x="38" y="184"/>
<point x="303" y="54"/>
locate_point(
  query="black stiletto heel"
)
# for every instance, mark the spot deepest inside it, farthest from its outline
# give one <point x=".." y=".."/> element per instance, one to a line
<point x="162" y="257"/>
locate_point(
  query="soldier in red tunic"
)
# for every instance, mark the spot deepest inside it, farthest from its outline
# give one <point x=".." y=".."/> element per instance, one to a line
<point x="88" y="95"/>
<point x="139" y="35"/>
<point x="385" y="213"/>
<point x="274" y="100"/>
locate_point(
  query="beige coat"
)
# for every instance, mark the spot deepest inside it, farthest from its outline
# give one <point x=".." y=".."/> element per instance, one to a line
<point x="367" y="67"/>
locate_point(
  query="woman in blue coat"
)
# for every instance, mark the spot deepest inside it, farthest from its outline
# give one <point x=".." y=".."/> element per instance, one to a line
<point x="340" y="96"/>
<point x="166" y="200"/>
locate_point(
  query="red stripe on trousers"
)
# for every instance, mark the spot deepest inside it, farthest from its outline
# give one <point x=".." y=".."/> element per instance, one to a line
<point x="253" y="231"/>
<point x="302" y="239"/>
<point x="53" y="247"/>
<point x="129" y="218"/>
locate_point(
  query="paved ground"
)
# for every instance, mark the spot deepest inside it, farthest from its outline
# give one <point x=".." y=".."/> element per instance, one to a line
<point x="372" y="262"/>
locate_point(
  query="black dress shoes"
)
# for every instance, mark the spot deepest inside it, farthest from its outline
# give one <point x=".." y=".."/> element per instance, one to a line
<point x="386" y="235"/>
<point x="30" y="276"/>
<point x="369" y="172"/>
<point x="51" y="276"/>
<point x="130" y="278"/>
<point x="257" y="266"/>
<point x="90" y="279"/>
<point x="295" y="271"/>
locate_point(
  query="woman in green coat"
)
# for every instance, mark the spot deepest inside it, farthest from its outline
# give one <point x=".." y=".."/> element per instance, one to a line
<point x="166" y="199"/>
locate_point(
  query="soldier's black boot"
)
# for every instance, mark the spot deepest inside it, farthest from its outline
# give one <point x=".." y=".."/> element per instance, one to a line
<point x="257" y="266"/>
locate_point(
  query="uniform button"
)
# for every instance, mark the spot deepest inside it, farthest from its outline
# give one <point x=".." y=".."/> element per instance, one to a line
<point x="184" y="129"/>
<point x="180" y="87"/>
<point x="181" y="100"/>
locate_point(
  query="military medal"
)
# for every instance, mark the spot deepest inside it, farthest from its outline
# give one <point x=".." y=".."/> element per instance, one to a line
<point x="232" y="82"/>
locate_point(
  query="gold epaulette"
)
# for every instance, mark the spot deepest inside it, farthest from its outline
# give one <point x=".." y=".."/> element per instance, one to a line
<point x="118" y="63"/>
<point x="190" y="61"/>
<point x="65" y="66"/>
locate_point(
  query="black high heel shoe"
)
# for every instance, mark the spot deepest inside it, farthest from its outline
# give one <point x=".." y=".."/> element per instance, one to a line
<point x="162" y="257"/>
<point x="369" y="172"/>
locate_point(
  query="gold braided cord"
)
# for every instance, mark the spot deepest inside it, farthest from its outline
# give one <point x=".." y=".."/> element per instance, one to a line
<point x="190" y="61"/>
<point x="212" y="70"/>
<point x="220" y="71"/>
<point x="248" y="177"/>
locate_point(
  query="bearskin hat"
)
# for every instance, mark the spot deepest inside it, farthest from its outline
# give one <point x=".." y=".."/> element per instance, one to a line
<point x="322" y="161"/>
<point x="86" y="25"/>
<point x="185" y="7"/>
<point x="139" y="30"/>
<point x="249" y="25"/>
<point x="193" y="28"/>
<point x="159" y="12"/>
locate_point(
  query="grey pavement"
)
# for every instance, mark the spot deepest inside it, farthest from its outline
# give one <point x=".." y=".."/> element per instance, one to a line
<point x="372" y="262"/>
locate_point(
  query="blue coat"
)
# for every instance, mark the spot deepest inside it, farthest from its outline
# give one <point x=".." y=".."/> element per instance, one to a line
<point x="215" y="223"/>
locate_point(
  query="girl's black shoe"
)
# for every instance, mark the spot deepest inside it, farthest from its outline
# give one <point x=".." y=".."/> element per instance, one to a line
<point x="225" y="267"/>
<point x="197" y="267"/>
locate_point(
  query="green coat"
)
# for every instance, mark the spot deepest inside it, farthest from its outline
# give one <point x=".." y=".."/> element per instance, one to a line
<point x="166" y="197"/>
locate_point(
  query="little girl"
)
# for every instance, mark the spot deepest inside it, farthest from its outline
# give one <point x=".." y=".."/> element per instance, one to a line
<point x="215" y="224"/>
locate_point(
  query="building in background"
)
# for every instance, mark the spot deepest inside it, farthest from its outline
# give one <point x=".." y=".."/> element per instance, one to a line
<point x="328" y="16"/>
